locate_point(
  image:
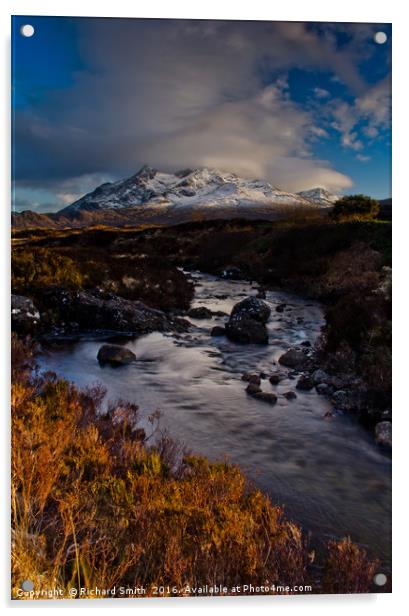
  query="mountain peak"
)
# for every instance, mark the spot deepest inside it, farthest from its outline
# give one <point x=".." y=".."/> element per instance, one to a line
<point x="319" y="195"/>
<point x="195" y="189"/>
<point x="146" y="172"/>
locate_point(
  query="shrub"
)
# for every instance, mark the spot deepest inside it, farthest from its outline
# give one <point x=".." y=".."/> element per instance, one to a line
<point x="36" y="269"/>
<point x="358" y="207"/>
<point x="347" y="568"/>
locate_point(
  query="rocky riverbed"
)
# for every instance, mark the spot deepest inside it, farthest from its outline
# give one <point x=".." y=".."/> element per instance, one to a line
<point x="265" y="403"/>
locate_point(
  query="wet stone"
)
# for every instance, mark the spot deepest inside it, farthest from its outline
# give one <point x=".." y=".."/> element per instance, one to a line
<point x="251" y="378"/>
<point x="266" y="397"/>
<point x="252" y="389"/>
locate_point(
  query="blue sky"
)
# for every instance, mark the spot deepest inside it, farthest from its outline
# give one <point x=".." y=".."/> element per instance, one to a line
<point x="298" y="104"/>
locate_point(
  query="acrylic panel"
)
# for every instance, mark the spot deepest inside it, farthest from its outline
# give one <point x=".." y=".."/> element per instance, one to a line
<point x="201" y="308"/>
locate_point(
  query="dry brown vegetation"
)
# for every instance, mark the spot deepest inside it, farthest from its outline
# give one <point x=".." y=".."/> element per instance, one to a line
<point x="152" y="280"/>
<point x="34" y="270"/>
<point x="96" y="502"/>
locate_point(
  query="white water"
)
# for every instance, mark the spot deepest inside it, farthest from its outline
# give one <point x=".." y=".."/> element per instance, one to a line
<point x="328" y="472"/>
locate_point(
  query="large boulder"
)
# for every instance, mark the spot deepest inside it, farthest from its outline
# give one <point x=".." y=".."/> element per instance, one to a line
<point x="246" y="331"/>
<point x="25" y="317"/>
<point x="247" y="322"/>
<point x="115" y="355"/>
<point x="252" y="308"/>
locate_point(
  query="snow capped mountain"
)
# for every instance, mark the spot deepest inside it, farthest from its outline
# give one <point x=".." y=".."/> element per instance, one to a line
<point x="319" y="196"/>
<point x="192" y="189"/>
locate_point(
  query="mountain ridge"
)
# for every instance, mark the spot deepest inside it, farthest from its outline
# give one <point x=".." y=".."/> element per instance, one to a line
<point x="159" y="198"/>
<point x="192" y="188"/>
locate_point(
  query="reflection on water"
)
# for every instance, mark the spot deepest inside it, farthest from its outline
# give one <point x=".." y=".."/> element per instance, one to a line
<point x="328" y="472"/>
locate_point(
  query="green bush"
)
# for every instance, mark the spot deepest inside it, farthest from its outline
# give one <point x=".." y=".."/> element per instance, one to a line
<point x="359" y="207"/>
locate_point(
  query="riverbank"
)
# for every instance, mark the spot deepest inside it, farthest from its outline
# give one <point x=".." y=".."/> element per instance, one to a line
<point x="98" y="503"/>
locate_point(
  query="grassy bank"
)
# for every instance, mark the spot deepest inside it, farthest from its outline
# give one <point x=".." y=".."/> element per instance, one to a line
<point x="97" y="503"/>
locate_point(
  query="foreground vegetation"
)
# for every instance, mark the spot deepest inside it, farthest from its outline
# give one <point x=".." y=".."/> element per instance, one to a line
<point x="97" y="502"/>
<point x="38" y="270"/>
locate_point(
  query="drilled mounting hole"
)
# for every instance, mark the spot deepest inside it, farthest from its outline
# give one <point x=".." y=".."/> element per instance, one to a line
<point x="27" y="30"/>
<point x="380" y="38"/>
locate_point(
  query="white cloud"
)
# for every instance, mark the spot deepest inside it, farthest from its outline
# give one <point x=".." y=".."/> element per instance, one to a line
<point x="369" y="113"/>
<point x="362" y="158"/>
<point x="321" y="93"/>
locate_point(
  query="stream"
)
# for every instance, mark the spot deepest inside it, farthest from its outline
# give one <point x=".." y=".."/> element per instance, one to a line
<point x="327" y="471"/>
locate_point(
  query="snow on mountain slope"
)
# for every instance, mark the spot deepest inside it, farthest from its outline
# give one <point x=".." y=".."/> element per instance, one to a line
<point x="320" y="196"/>
<point x="198" y="188"/>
